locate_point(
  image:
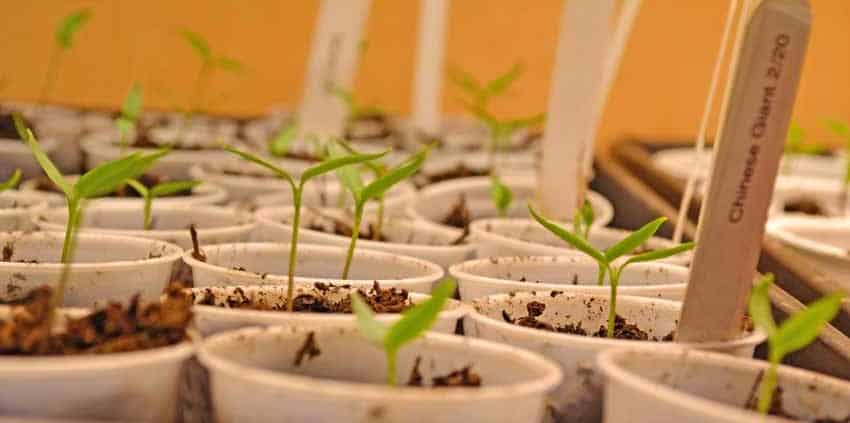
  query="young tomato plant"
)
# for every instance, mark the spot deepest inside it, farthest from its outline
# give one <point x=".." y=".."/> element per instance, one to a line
<point x="64" y="39"/>
<point x="501" y="130"/>
<point x="378" y="169"/>
<point x="12" y="181"/>
<point x="372" y="191"/>
<point x="158" y="190"/>
<point x="280" y="144"/>
<point x="796" y="142"/>
<point x="97" y="182"/>
<point x="501" y="195"/>
<point x="795" y="333"/>
<point x="130" y="110"/>
<point x="413" y="323"/>
<point x="583" y="220"/>
<point x="297" y="186"/>
<point x="209" y="63"/>
<point x="478" y="94"/>
<point x="842" y="130"/>
<point x="606" y="260"/>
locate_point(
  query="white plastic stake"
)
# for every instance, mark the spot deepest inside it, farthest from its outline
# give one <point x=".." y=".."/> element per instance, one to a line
<point x="428" y="78"/>
<point x="690" y="186"/>
<point x="752" y="136"/>
<point x="333" y="62"/>
<point x="576" y="85"/>
<point x="622" y="31"/>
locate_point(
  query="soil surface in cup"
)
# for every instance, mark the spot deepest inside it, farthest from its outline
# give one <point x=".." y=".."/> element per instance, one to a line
<point x="381" y="300"/>
<point x="805" y="206"/>
<point x="622" y="328"/>
<point x="125" y="191"/>
<point x="460" y="171"/>
<point x="370" y="126"/>
<point x="112" y="329"/>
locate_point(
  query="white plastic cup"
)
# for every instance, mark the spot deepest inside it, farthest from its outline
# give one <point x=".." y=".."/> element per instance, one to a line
<point x="569" y="273"/>
<point x="253" y="378"/>
<point x="822" y="241"/>
<point x="435" y="202"/>
<point x="170" y="223"/>
<point x="18" y="209"/>
<point x="526" y="237"/>
<point x="267" y="264"/>
<point x="406" y="236"/>
<point x="579" y="398"/>
<point x="672" y="385"/>
<point x="106" y="268"/>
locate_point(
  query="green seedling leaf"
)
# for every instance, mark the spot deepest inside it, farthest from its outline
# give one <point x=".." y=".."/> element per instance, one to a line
<point x="661" y="254"/>
<point x="124" y="125"/>
<point x="132" y="106"/>
<point x="840" y="128"/>
<point x="256" y="160"/>
<point x="168" y="188"/>
<point x="338" y="162"/>
<point x="379" y="186"/>
<point x="759" y="305"/>
<point x="418" y="319"/>
<point x="371" y="328"/>
<point x="502" y="82"/>
<point x="465" y="81"/>
<point x="378" y="168"/>
<point x="229" y="64"/>
<point x="501" y="195"/>
<point x="634" y="240"/>
<point x="349" y="176"/>
<point x="41" y="157"/>
<point x="107" y="177"/>
<point x="12" y="181"/>
<point x="198" y="43"/>
<point x="284" y="138"/>
<point x="70" y="26"/>
<point x="588" y="216"/>
<point x="576" y="241"/>
<point x="802" y="328"/>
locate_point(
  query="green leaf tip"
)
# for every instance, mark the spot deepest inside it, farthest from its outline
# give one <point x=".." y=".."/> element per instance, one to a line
<point x="198" y="43"/>
<point x="12" y="181"/>
<point x="70" y="25"/>
<point x="500" y="194"/>
<point x="41" y="157"/>
<point x="634" y="240"/>
<point x="576" y="241"/>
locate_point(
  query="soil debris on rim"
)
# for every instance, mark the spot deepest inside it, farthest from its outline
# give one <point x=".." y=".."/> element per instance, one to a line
<point x="112" y="329"/>
<point x="464" y="377"/>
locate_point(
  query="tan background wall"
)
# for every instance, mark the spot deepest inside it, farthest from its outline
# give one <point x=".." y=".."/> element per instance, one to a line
<point x="659" y="92"/>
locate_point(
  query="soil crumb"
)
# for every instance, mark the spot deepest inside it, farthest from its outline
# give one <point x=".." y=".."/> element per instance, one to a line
<point x="464" y="377"/>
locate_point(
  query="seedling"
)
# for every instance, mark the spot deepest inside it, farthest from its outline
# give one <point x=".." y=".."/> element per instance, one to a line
<point x="796" y="142"/>
<point x="583" y="220"/>
<point x="209" y="63"/>
<point x="842" y="130"/>
<point x="502" y="130"/>
<point x="606" y="259"/>
<point x="12" y="181"/>
<point x="321" y="168"/>
<point x="378" y="169"/>
<point x="795" y="333"/>
<point x="280" y="144"/>
<point x="501" y="195"/>
<point x="64" y="40"/>
<point x="97" y="182"/>
<point x="130" y="110"/>
<point x="158" y="190"/>
<point x="413" y="323"/>
<point x="356" y="109"/>
<point x="373" y="191"/>
<point x="480" y="93"/>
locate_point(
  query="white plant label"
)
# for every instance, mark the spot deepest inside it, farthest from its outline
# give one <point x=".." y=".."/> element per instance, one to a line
<point x="750" y="144"/>
<point x="333" y="63"/>
<point x="576" y="89"/>
<point x="428" y="78"/>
